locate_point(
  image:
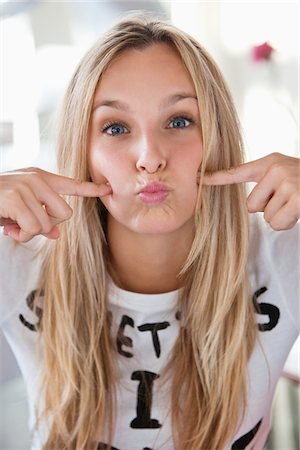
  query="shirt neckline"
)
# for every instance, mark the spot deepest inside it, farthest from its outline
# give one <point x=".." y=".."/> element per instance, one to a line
<point x="140" y="301"/>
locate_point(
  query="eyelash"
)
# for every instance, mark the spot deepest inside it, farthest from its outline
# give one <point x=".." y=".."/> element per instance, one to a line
<point x="185" y="117"/>
<point x="109" y="124"/>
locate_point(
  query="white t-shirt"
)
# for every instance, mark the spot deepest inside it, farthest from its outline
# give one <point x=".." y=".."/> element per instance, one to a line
<point x="145" y="328"/>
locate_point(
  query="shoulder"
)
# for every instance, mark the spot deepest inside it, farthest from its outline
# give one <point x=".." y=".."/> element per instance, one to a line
<point x="9" y="246"/>
<point x="274" y="265"/>
<point x="19" y="267"/>
<point x="17" y="256"/>
<point x="278" y="247"/>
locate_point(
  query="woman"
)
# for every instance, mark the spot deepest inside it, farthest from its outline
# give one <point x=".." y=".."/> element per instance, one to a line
<point x="145" y="305"/>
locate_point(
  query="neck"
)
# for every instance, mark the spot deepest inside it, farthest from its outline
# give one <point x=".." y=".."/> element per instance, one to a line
<point x="148" y="263"/>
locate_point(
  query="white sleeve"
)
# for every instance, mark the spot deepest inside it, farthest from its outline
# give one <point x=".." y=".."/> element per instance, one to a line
<point x="283" y="257"/>
<point x="19" y="270"/>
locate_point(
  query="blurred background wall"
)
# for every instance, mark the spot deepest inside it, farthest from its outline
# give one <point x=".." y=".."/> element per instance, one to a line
<point x="42" y="41"/>
<point x="256" y="45"/>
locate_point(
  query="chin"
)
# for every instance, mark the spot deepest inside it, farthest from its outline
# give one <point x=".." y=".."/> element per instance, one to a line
<point x="156" y="227"/>
<point x="153" y="221"/>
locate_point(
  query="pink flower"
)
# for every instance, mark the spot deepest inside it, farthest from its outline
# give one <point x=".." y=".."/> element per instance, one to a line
<point x="262" y="52"/>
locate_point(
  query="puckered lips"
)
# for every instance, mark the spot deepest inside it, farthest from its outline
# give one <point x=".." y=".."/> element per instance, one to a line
<point x="153" y="193"/>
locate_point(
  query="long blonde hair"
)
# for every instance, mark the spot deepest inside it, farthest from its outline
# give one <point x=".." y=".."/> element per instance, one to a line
<point x="209" y="364"/>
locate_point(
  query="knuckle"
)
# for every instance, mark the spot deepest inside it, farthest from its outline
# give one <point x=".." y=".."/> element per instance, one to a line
<point x="10" y="202"/>
<point x="11" y="194"/>
<point x="33" y="170"/>
<point x="30" y="172"/>
<point x="35" y="230"/>
<point x="275" y="156"/>
<point x="289" y="226"/>
<point x="32" y="228"/>
<point x="277" y="170"/>
<point x="267" y="217"/>
<point x="281" y="224"/>
<point x="77" y="185"/>
<point x="68" y="213"/>
<point x="26" y="238"/>
<point x="232" y="170"/>
<point x="19" y="187"/>
<point x="251" y="205"/>
<point x="47" y="227"/>
<point x="30" y="177"/>
<point x="287" y="187"/>
<point x="34" y="176"/>
<point x="281" y="227"/>
<point x="275" y="225"/>
<point x="294" y="203"/>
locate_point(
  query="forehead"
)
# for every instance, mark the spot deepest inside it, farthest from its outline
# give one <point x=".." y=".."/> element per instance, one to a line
<point x="158" y="66"/>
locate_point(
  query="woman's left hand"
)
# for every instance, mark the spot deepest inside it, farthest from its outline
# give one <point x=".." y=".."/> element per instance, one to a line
<point x="277" y="193"/>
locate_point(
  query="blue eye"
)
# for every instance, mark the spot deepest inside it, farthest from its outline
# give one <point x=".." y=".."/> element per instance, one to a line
<point x="180" y="122"/>
<point x="114" y="129"/>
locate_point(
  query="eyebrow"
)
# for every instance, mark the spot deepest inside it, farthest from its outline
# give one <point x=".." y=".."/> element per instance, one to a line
<point x="172" y="99"/>
<point x="169" y="101"/>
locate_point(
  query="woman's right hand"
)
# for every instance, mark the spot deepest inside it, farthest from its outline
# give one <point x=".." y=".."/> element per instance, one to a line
<point x="31" y="202"/>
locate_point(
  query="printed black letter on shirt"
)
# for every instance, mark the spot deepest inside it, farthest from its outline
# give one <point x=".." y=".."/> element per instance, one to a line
<point x="37" y="310"/>
<point x="242" y="442"/>
<point x="102" y="446"/>
<point x="154" y="327"/>
<point x="124" y="340"/>
<point x="266" y="309"/>
<point x="144" y="400"/>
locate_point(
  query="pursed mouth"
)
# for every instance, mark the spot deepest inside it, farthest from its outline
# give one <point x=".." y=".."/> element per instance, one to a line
<point x="153" y="193"/>
<point x="154" y="187"/>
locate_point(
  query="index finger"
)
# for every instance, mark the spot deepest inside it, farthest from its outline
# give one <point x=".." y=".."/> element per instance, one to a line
<point x="69" y="186"/>
<point x="250" y="171"/>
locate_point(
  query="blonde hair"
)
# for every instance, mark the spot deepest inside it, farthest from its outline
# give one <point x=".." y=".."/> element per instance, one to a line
<point x="209" y="364"/>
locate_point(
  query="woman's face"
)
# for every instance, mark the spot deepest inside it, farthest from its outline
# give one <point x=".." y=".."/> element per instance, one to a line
<point x="145" y="140"/>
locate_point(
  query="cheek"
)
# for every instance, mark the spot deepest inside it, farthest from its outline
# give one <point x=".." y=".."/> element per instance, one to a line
<point x="190" y="192"/>
<point x="96" y="167"/>
<point x="189" y="164"/>
<point x="104" y="167"/>
<point x="188" y="177"/>
<point x="111" y="167"/>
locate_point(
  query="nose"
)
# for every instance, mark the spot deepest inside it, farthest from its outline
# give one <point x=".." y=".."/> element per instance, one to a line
<point x="150" y="156"/>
